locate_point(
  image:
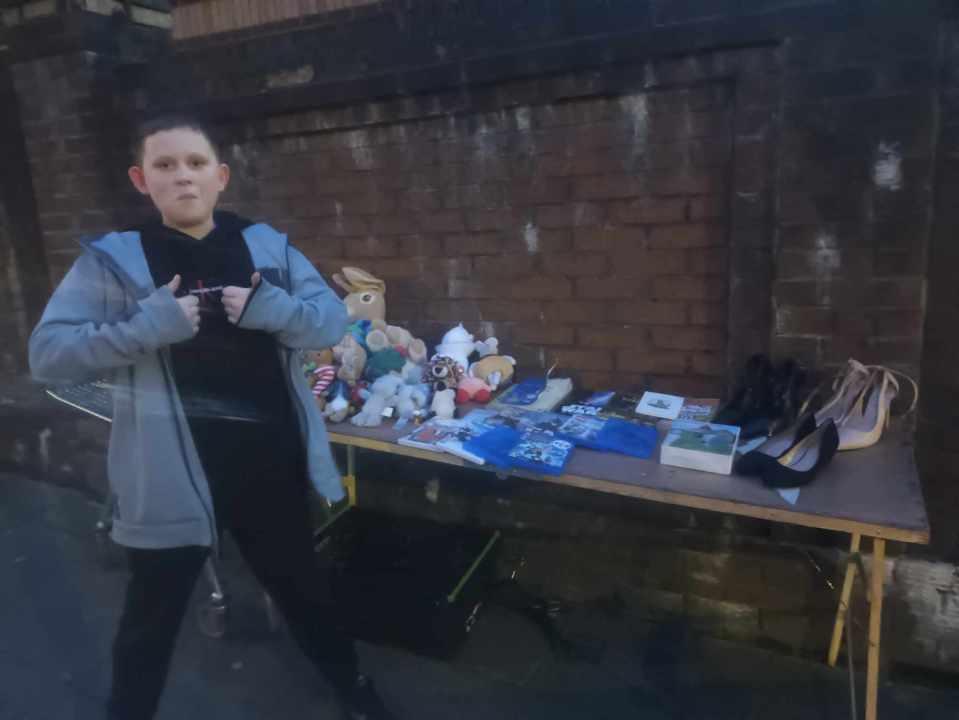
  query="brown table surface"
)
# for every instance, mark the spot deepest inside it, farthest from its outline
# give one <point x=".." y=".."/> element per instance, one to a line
<point x="874" y="492"/>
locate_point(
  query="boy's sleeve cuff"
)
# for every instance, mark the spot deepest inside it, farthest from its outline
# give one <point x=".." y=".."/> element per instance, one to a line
<point x="264" y="308"/>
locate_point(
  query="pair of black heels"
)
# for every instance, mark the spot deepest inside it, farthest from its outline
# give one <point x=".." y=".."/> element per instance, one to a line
<point x="794" y="456"/>
<point x="767" y="398"/>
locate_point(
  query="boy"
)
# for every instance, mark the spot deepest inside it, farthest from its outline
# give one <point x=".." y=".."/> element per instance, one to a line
<point x="197" y="317"/>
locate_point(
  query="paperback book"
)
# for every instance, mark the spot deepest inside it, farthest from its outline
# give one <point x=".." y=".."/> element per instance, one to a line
<point x="709" y="447"/>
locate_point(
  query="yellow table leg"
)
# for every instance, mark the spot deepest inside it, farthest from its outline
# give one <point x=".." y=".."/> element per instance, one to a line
<point x="843" y="609"/>
<point x="349" y="482"/>
<point x="875" y="628"/>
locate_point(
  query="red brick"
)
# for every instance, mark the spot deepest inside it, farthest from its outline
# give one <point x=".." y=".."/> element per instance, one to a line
<point x="606" y="237"/>
<point x="667" y="363"/>
<point x="805" y="321"/>
<point x="708" y="261"/>
<point x="542" y="288"/>
<point x="650" y="211"/>
<point x="688" y="288"/>
<point x="421" y="246"/>
<point x="582" y="360"/>
<point x="575" y="264"/>
<point x="344" y="227"/>
<point x="452" y="311"/>
<point x="417" y="287"/>
<point x="590" y="380"/>
<point x="686" y="236"/>
<point x="398" y="269"/>
<point x="606" y="288"/>
<point x="442" y="222"/>
<point x="420" y="200"/>
<point x="709" y="207"/>
<point x="511" y="310"/>
<point x="896" y="323"/>
<point x="607" y="187"/>
<point x="648" y="313"/>
<point x="484" y="220"/>
<point x="691" y="181"/>
<point x="555" y="165"/>
<point x="475" y="289"/>
<point x="575" y="312"/>
<point x="687" y="385"/>
<point x="504" y="266"/>
<point x="393" y="225"/>
<point x="640" y="262"/>
<point x="539" y="190"/>
<point x="570" y="215"/>
<point x="688" y="338"/>
<point x="715" y="314"/>
<point x="600" y="162"/>
<point x="546" y="241"/>
<point x="543" y="335"/>
<point x="622" y="336"/>
<point x="474" y="196"/>
<point x="711" y="364"/>
<point x="479" y="244"/>
<point x="899" y="292"/>
<point x="816" y="264"/>
<point x="341" y="183"/>
<point x="371" y="247"/>
<point x="447" y="267"/>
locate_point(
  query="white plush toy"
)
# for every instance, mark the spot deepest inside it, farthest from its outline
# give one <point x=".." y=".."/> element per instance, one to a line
<point x="458" y="343"/>
<point x="444" y="404"/>
<point x="382" y="395"/>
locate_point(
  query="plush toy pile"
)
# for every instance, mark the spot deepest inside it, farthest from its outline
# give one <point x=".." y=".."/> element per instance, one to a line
<point x="379" y="370"/>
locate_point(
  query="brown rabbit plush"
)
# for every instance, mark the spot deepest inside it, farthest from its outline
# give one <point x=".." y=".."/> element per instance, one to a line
<point x="366" y="294"/>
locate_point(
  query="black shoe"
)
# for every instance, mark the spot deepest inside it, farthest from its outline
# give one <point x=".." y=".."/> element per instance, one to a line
<point x="787" y="383"/>
<point x="749" y="407"/>
<point x="800" y="464"/>
<point x="756" y="460"/>
<point x="364" y="703"/>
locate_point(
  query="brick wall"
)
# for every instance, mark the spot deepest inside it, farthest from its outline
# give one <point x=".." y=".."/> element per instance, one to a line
<point x="591" y="234"/>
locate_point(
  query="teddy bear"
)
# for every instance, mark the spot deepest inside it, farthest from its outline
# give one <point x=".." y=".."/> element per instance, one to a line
<point x="400" y="390"/>
<point x="444" y="404"/>
<point x="457" y="346"/>
<point x="495" y="370"/>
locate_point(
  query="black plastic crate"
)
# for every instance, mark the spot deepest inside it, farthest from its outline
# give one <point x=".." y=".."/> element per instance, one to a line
<point x="408" y="582"/>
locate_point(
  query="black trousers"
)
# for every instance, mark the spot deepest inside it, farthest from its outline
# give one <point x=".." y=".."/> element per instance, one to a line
<point x="267" y="514"/>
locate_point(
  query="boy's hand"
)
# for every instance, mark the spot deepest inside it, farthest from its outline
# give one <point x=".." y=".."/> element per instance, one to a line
<point x="189" y="304"/>
<point x="235" y="298"/>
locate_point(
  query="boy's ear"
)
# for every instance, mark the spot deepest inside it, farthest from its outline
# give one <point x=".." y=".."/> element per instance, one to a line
<point x="138" y="179"/>
<point x="223" y="172"/>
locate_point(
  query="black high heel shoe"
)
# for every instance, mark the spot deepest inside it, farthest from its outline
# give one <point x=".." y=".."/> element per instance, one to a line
<point x="755" y="461"/>
<point x="800" y="464"/>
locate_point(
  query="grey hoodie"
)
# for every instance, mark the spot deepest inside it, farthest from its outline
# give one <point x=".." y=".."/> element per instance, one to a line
<point x="108" y="319"/>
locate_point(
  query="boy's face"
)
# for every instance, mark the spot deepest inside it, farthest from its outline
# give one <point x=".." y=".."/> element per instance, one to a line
<point x="183" y="177"/>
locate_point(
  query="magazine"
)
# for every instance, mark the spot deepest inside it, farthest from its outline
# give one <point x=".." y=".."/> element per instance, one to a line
<point x="430" y="434"/>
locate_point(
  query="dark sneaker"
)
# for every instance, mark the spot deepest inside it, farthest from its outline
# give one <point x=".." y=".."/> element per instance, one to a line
<point x="364" y="703"/>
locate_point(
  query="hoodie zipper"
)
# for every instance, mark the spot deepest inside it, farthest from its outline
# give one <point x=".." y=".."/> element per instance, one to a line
<point x="134" y="290"/>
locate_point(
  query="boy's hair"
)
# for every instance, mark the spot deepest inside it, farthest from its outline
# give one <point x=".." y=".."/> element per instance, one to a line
<point x="170" y="121"/>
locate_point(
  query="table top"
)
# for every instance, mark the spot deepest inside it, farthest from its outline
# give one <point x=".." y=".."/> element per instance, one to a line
<point x="874" y="492"/>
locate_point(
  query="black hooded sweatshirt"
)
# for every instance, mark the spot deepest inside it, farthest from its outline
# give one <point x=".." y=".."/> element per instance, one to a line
<point x="230" y="380"/>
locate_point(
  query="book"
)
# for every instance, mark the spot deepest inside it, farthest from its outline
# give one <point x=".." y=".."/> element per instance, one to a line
<point x="535" y="394"/>
<point x="699" y="409"/>
<point x="659" y="405"/>
<point x="709" y="447"/>
<point x="430" y="434"/>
